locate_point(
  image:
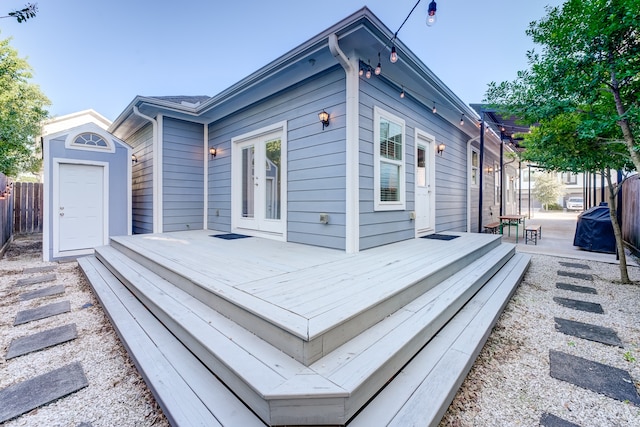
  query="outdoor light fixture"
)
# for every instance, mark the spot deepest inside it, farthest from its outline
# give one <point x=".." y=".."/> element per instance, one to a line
<point x="462" y="120"/>
<point x="324" y="119"/>
<point x="431" y="16"/>
<point x="368" y="73"/>
<point x="402" y="93"/>
<point x="378" y="67"/>
<point x="394" y="55"/>
<point x="213" y="151"/>
<point x="134" y="158"/>
<point x="361" y="72"/>
<point x="440" y="148"/>
<point x="434" y="108"/>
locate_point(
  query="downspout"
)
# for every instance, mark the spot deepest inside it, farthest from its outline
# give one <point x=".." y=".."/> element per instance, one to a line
<point x="157" y="159"/>
<point x="352" y="202"/>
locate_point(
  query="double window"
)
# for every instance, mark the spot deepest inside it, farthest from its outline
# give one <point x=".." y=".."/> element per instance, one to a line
<point x="389" y="161"/>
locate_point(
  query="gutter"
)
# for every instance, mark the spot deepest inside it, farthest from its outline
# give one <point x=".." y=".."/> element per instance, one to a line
<point x="352" y="173"/>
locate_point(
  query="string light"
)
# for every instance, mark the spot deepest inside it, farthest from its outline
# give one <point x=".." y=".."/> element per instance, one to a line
<point x="361" y="72"/>
<point x="462" y="120"/>
<point x="368" y="73"/>
<point x="434" y="108"/>
<point x="402" y="93"/>
<point x="431" y="16"/>
<point x="394" y="55"/>
<point x="378" y="67"/>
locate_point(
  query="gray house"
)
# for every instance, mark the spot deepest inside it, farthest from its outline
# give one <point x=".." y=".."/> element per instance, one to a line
<point x="393" y="161"/>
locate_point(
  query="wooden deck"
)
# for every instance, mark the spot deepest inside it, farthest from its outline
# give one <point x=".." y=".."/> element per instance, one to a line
<point x="305" y="335"/>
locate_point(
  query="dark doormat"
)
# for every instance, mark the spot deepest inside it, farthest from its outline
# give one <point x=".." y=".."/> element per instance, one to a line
<point x="229" y="236"/>
<point x="594" y="376"/>
<point x="575" y="265"/>
<point x="590" y="307"/>
<point x="588" y="331"/>
<point x="576" y="288"/>
<point x="440" y="237"/>
<point x="550" y="420"/>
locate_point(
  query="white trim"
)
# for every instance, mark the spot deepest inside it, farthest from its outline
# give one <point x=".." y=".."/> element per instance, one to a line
<point x="89" y="128"/>
<point x="352" y="205"/>
<point x="236" y="193"/>
<point x="432" y="146"/>
<point x="57" y="161"/>
<point x="379" y="113"/>
<point x="129" y="191"/>
<point x="205" y="196"/>
<point x="46" y="211"/>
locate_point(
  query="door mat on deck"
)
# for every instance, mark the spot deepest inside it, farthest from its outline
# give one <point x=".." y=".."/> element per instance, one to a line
<point x="229" y="236"/>
<point x="440" y="237"/>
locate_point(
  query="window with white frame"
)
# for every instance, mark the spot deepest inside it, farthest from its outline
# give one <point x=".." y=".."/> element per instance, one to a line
<point x="475" y="162"/>
<point x="496" y="183"/>
<point x="389" y="161"/>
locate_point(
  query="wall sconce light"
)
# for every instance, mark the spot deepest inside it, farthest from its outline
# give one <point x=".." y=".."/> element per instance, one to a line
<point x="324" y="119"/>
<point x="489" y="169"/>
<point x="213" y="151"/>
<point x="134" y="159"/>
<point x="441" y="147"/>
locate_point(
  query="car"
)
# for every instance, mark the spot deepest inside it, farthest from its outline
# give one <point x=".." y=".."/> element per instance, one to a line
<point x="575" y="204"/>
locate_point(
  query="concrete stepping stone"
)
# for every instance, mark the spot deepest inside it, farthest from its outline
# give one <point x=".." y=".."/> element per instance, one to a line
<point x="590" y="307"/>
<point x="575" y="265"/>
<point x="582" y="276"/>
<point x="588" y="331"/>
<point x="20" y="398"/>
<point x="607" y="380"/>
<point x="550" y="420"/>
<point x="46" y="292"/>
<point x="34" y="280"/>
<point x="576" y="288"/>
<point x="41" y="340"/>
<point x="44" y="269"/>
<point x="42" y="312"/>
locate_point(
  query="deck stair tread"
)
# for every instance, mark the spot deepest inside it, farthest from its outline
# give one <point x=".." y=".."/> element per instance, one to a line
<point x="423" y="390"/>
<point x="264" y="377"/>
<point x="360" y="289"/>
<point x="187" y="391"/>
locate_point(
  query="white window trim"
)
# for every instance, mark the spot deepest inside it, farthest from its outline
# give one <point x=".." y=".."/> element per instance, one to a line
<point x="377" y="204"/>
<point x="472" y="168"/>
<point x="89" y="128"/>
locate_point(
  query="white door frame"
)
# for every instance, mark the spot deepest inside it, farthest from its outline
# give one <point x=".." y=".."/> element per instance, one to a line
<point x="249" y="227"/>
<point x="429" y="142"/>
<point x="56" y="200"/>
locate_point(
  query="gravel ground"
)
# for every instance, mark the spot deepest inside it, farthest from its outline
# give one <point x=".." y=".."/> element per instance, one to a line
<point x="509" y="385"/>
<point x="116" y="395"/>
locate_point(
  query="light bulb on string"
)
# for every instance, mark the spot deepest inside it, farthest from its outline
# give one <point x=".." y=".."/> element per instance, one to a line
<point x="402" y="93"/>
<point x="462" y="120"/>
<point x="431" y="14"/>
<point x="394" y="55"/>
<point x="378" y="67"/>
<point x="434" y="108"/>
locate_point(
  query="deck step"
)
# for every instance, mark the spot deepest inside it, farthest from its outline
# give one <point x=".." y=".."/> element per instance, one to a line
<point x="279" y="389"/>
<point x="187" y="391"/>
<point x="308" y="328"/>
<point x="423" y="390"/>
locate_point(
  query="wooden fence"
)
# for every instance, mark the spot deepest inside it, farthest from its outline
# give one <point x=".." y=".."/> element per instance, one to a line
<point x="6" y="213"/>
<point x="631" y="212"/>
<point x="27" y="211"/>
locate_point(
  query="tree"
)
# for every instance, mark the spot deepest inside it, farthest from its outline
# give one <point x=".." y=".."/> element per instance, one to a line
<point x="21" y="15"/>
<point x="22" y="110"/>
<point x="581" y="92"/>
<point x="547" y="189"/>
<point x="590" y="58"/>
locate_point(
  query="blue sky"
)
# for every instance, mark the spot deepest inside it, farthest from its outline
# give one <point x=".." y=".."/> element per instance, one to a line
<point x="100" y="55"/>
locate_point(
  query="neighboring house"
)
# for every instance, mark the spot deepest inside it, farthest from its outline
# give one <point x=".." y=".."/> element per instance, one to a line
<point x="374" y="174"/>
<point x="87" y="175"/>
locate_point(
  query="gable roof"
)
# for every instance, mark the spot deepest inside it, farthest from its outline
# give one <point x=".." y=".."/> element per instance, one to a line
<point x="360" y="35"/>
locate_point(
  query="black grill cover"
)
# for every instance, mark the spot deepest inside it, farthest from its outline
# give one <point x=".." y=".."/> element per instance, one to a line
<point x="594" y="231"/>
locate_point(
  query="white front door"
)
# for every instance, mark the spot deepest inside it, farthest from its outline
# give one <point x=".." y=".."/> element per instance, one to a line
<point x="258" y="180"/>
<point x="424" y="177"/>
<point x="79" y="207"/>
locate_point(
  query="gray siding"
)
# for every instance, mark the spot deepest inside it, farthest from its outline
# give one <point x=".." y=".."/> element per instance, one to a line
<point x="379" y="228"/>
<point x="182" y="175"/>
<point x="142" y="180"/>
<point x="316" y="158"/>
<point x="490" y="205"/>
